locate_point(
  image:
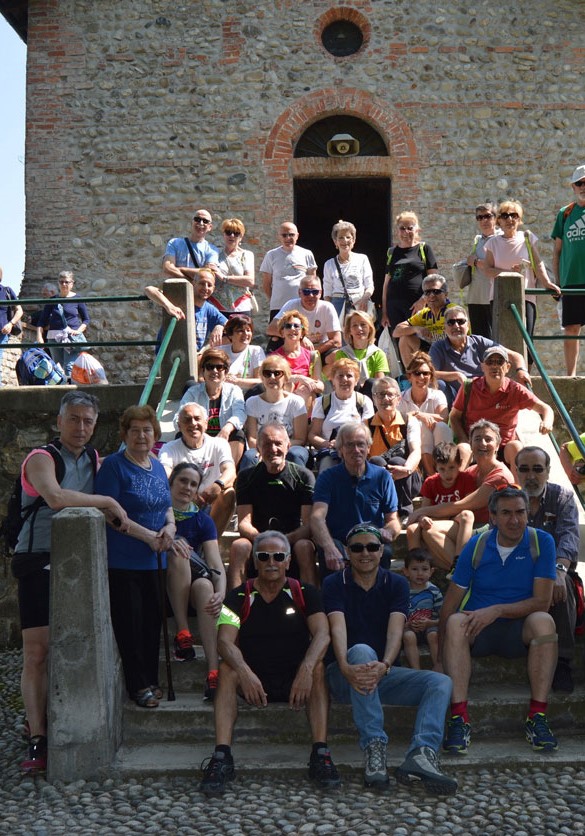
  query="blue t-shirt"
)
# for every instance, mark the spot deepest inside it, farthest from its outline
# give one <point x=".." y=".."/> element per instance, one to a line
<point x="446" y="359"/>
<point x="352" y="500"/>
<point x="5" y="293"/>
<point x="366" y="611"/>
<point x="197" y="528"/>
<point x="494" y="582"/>
<point x="74" y="315"/>
<point x="204" y="251"/>
<point x="146" y="498"/>
<point x="206" y="318"/>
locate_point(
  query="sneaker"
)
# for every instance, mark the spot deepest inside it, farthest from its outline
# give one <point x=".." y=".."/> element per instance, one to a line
<point x="458" y="737"/>
<point x="218" y="769"/>
<point x="375" y="773"/>
<point x="211" y="685"/>
<point x="422" y="765"/>
<point x="323" y="770"/>
<point x="563" y="678"/>
<point x="184" y="650"/>
<point x="539" y="735"/>
<point x="37" y="755"/>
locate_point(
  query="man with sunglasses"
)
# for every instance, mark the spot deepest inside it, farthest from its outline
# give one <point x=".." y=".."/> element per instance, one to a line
<point x="553" y="508"/>
<point x="272" y="638"/>
<point x="497" y="604"/>
<point x="569" y="265"/>
<point x="367" y="607"/>
<point x="324" y="326"/>
<point x="283" y="268"/>
<point x="428" y="325"/>
<point x="184" y="257"/>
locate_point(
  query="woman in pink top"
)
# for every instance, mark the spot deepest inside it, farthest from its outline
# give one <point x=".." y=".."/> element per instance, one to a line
<point x="304" y="362"/>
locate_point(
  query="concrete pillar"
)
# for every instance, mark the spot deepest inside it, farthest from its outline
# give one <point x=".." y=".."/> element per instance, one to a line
<point x="508" y="289"/>
<point x="85" y="673"/>
<point x="183" y="343"/>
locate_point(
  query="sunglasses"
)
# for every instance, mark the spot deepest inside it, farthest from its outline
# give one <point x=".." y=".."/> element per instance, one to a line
<point x="307" y="291"/>
<point x="199" y="220"/>
<point x="513" y="215"/>
<point x="278" y="557"/>
<point x="484" y="217"/>
<point x="524" y="468"/>
<point x="579" y="183"/>
<point x="272" y="373"/>
<point x="456" y="322"/>
<point x="289" y="325"/>
<point x="434" y="292"/>
<point x="232" y="233"/>
<point x="420" y="373"/>
<point x="495" y="361"/>
<point x="406" y="228"/>
<point x="218" y="367"/>
<point x="358" y="548"/>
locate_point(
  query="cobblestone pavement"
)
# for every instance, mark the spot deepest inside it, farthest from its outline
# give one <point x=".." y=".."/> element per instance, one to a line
<point x="531" y="801"/>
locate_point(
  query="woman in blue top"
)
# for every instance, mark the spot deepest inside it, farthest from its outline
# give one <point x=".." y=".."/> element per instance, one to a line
<point x="66" y="323"/>
<point x="139" y="483"/>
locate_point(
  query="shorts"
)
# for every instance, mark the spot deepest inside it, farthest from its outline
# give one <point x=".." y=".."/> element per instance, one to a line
<point x="573" y="308"/>
<point x="33" y="599"/>
<point x="422" y="638"/>
<point x="278" y="687"/>
<point x="238" y="435"/>
<point x="502" y="638"/>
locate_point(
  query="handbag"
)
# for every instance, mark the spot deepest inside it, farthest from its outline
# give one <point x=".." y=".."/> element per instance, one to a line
<point x="349" y="306"/>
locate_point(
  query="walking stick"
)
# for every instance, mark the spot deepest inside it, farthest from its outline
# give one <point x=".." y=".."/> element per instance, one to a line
<point x="163" y="601"/>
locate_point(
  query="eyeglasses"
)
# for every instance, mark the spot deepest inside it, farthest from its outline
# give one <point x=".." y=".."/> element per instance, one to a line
<point x="232" y="233"/>
<point x="579" y="183"/>
<point x="420" y="373"/>
<point x="198" y="220"/>
<point x="455" y="322"/>
<point x="272" y="373"/>
<point x="307" y="291"/>
<point x="65" y="281"/>
<point x="218" y="367"/>
<point x="278" y="557"/>
<point x="485" y="217"/>
<point x="513" y="215"/>
<point x="358" y="548"/>
<point x="435" y="292"/>
<point x="289" y="325"/>
<point x="386" y="396"/>
<point x="406" y="228"/>
<point x="495" y="361"/>
<point x="524" y="468"/>
<point x="287" y="234"/>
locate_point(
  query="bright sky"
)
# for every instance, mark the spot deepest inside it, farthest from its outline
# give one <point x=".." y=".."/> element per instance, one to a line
<point x="12" y="116"/>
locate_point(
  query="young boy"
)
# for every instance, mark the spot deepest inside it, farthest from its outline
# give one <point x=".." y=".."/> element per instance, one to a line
<point x="444" y="538"/>
<point x="423" y="609"/>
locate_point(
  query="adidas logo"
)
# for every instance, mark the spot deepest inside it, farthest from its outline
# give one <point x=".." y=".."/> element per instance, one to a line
<point x="576" y="230"/>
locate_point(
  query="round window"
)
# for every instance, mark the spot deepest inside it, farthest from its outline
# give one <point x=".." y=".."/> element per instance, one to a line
<point x="342" y="37"/>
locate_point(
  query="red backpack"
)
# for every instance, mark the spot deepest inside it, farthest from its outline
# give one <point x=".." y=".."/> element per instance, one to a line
<point x="294" y="588"/>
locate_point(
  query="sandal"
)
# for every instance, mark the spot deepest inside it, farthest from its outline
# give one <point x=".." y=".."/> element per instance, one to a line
<point x="145" y="699"/>
<point x="157" y="691"/>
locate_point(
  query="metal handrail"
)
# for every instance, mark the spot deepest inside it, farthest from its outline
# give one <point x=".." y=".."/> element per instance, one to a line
<point x="54" y="300"/>
<point x="158" y="362"/>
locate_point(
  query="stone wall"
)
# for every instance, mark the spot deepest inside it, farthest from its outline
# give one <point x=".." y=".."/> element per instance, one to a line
<point x="140" y="112"/>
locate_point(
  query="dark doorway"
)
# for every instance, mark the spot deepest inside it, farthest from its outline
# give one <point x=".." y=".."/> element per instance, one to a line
<point x="320" y="203"/>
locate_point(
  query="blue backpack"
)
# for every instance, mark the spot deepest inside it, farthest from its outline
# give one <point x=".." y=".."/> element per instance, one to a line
<point x="37" y="368"/>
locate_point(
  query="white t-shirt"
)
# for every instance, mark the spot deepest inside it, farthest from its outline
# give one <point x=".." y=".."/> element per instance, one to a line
<point x="435" y="401"/>
<point x="341" y="412"/>
<point x="287" y="270"/>
<point x="283" y="412"/>
<point x="322" y="321"/>
<point x="508" y="252"/>
<point x="357" y="276"/>
<point x="210" y="456"/>
<point x="243" y="363"/>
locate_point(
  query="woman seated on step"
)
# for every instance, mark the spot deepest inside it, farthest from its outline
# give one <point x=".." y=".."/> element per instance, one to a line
<point x="359" y="334"/>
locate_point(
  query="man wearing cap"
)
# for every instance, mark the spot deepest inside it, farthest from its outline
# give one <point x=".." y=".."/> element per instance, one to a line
<point x="184" y="257"/>
<point x="283" y="268"/>
<point x="459" y="354"/>
<point x="569" y="265"/>
<point x="496" y="398"/>
<point x="367" y="607"/>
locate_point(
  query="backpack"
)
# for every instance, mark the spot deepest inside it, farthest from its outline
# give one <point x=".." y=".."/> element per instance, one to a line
<point x="36" y="368"/>
<point x="421" y="251"/>
<point x="360" y="403"/>
<point x="294" y="589"/>
<point x="579" y="601"/>
<point x="12" y="524"/>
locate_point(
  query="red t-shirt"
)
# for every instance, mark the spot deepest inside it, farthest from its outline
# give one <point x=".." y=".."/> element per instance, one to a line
<point x="496" y="478"/>
<point x="500" y="407"/>
<point x="434" y="490"/>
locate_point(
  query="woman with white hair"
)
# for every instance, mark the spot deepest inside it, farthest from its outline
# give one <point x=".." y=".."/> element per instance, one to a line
<point x="348" y="278"/>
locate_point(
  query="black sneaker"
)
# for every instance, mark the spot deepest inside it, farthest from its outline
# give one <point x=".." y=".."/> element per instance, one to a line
<point x="217" y="770"/>
<point x="322" y="770"/>
<point x="37" y="755"/>
<point x="422" y="766"/>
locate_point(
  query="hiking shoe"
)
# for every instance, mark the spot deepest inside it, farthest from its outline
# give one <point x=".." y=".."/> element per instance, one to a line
<point x="458" y="737"/>
<point x="217" y="770"/>
<point x="563" y="678"/>
<point x="211" y="686"/>
<point x="422" y="765"/>
<point x="37" y="755"/>
<point x="539" y="735"/>
<point x="322" y="770"/>
<point x="184" y="650"/>
<point x="375" y="772"/>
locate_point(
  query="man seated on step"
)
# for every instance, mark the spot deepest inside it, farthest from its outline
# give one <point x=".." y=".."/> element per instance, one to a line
<point x="497" y="604"/>
<point x="367" y="608"/>
<point x="272" y="639"/>
<point x="553" y="508"/>
<point x="216" y="495"/>
<point x="275" y="494"/>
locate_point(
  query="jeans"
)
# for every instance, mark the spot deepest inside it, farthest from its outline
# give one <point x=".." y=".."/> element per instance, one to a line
<point x="3" y="340"/>
<point x="428" y="690"/>
<point x="338" y="302"/>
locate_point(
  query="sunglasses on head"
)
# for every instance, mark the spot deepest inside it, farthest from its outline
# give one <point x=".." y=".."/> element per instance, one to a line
<point x="485" y="217"/>
<point x="278" y="557"/>
<point x="219" y="367"/>
<point x="308" y="291"/>
<point x="434" y="292"/>
<point x="524" y="468"/>
<point x="505" y="215"/>
<point x="272" y="373"/>
<point x="358" y="548"/>
<point x="456" y="322"/>
<point x="199" y="220"/>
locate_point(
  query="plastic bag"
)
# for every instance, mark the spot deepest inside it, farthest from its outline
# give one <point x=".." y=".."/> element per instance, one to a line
<point x="386" y="345"/>
<point x="87" y="370"/>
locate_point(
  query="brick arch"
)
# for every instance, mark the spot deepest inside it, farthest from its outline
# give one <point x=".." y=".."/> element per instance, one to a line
<point x="295" y="120"/>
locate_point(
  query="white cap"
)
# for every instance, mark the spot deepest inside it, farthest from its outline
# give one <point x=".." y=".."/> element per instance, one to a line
<point x="578" y="174"/>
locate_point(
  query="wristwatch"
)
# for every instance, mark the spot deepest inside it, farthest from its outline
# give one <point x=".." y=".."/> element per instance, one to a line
<point x="561" y="567"/>
<point x="221" y="484"/>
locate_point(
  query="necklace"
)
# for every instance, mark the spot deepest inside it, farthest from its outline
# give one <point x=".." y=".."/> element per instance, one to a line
<point x="147" y="466"/>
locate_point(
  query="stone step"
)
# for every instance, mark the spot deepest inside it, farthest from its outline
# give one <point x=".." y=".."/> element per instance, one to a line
<point x="496" y="713"/>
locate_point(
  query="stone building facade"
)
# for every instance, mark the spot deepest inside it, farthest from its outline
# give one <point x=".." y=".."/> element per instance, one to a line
<point x="138" y="113"/>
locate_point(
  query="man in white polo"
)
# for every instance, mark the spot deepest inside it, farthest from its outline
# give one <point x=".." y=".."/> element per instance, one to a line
<point x="283" y="268"/>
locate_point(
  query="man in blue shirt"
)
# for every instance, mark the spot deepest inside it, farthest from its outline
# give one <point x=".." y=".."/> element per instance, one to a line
<point x="184" y="257"/>
<point x="497" y="604"/>
<point x="367" y="608"/>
